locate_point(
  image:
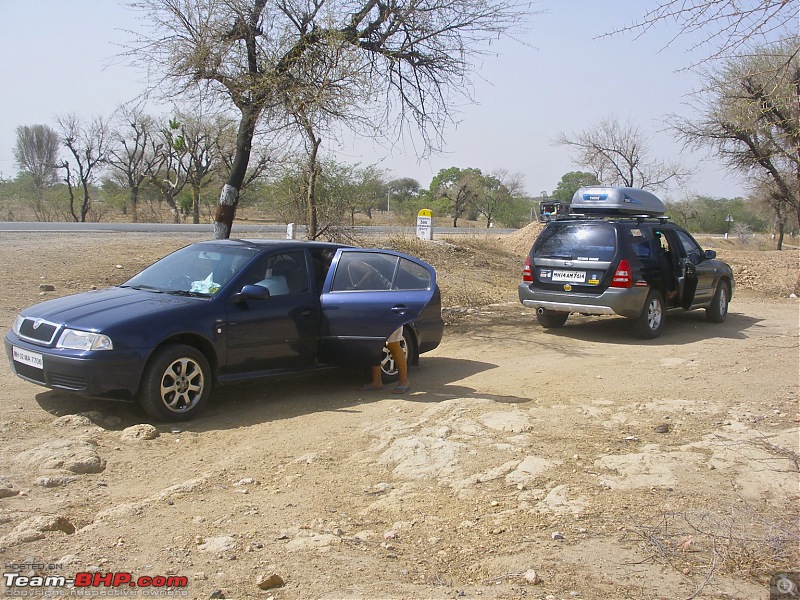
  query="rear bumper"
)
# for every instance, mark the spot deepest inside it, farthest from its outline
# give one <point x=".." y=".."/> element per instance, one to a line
<point x="626" y="302"/>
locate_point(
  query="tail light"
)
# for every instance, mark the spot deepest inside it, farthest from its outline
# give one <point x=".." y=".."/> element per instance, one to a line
<point x="527" y="272"/>
<point x="622" y="276"/>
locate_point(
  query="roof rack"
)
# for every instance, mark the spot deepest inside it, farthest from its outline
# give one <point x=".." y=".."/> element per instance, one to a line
<point x="617" y="216"/>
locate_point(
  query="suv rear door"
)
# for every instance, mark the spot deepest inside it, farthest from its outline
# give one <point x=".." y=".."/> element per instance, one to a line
<point x="575" y="255"/>
<point x="368" y="294"/>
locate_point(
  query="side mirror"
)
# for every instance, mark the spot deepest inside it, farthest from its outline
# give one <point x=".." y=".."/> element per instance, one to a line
<point x="710" y="254"/>
<point x="251" y="292"/>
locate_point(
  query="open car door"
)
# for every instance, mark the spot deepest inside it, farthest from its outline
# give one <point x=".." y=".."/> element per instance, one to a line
<point x="368" y="294"/>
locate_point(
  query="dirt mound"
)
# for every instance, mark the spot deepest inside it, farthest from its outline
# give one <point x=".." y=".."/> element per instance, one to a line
<point x="520" y="241"/>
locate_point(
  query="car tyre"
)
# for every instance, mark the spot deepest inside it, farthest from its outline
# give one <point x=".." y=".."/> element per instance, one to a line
<point x="651" y="321"/>
<point x="717" y="311"/>
<point x="176" y="384"/>
<point x="389" y="372"/>
<point x="551" y="318"/>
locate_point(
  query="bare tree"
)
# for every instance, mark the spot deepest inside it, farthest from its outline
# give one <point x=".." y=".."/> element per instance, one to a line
<point x="751" y="119"/>
<point x="497" y="190"/>
<point x="170" y="173"/>
<point x="204" y="139"/>
<point x="727" y="26"/>
<point x="617" y="154"/>
<point x="88" y="149"/>
<point x="36" y="152"/>
<point x="460" y="187"/>
<point x="135" y="153"/>
<point x="418" y="54"/>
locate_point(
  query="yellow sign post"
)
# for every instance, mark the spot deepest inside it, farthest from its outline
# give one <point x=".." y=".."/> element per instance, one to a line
<point x="425" y="224"/>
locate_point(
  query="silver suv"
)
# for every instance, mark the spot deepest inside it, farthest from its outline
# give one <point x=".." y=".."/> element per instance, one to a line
<point x="617" y="254"/>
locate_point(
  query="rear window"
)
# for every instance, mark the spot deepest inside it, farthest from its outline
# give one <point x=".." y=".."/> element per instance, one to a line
<point x="577" y="241"/>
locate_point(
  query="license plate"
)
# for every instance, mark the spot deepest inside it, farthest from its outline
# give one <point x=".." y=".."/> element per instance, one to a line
<point x="570" y="276"/>
<point x="32" y="359"/>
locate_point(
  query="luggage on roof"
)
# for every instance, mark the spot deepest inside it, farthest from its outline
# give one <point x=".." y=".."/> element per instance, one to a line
<point x="606" y="200"/>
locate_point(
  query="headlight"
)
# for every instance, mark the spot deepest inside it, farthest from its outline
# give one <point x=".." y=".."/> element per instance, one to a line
<point x="18" y="323"/>
<point x="84" y="340"/>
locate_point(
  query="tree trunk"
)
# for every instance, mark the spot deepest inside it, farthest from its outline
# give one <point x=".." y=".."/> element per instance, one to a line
<point x="229" y="197"/>
<point x="311" y="195"/>
<point x="195" y="204"/>
<point x="134" y="198"/>
<point x="781" y="232"/>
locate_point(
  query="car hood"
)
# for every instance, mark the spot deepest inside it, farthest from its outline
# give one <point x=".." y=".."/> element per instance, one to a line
<point x="98" y="310"/>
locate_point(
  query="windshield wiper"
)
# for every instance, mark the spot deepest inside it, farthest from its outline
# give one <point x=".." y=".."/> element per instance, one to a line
<point x="148" y="288"/>
<point x="187" y="293"/>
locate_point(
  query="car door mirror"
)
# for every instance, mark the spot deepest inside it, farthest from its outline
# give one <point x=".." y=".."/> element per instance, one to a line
<point x="251" y="292"/>
<point x="709" y="254"/>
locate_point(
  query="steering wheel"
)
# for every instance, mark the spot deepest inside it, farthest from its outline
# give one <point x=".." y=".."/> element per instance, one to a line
<point x="361" y="274"/>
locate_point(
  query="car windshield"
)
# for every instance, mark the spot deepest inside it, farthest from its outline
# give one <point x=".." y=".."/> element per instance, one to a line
<point x="197" y="270"/>
<point x="576" y="241"/>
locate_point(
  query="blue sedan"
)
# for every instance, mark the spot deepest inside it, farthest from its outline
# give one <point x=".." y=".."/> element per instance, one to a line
<point x="223" y="311"/>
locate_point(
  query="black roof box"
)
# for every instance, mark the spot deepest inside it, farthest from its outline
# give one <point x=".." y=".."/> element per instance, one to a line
<point x="607" y="200"/>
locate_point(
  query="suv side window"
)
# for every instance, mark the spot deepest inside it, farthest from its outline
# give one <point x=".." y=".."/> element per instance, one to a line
<point x="692" y="249"/>
<point x="641" y="241"/>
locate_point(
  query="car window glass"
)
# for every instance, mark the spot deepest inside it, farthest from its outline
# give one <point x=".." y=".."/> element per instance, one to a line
<point x="576" y="241"/>
<point x="689" y="245"/>
<point x="641" y="243"/>
<point x="373" y="271"/>
<point x="282" y="274"/>
<point x="411" y="276"/>
<point x="364" y="271"/>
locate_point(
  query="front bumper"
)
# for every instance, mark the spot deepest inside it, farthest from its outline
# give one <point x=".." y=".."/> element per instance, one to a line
<point x="105" y="374"/>
<point x="626" y="302"/>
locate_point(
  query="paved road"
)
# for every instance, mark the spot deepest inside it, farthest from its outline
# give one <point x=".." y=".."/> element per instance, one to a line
<point x="277" y="230"/>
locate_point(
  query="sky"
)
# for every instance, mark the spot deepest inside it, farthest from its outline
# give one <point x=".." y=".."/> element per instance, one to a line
<point x="62" y="57"/>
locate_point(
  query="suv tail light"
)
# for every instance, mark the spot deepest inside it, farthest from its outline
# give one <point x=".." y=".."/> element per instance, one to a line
<point x="527" y="271"/>
<point x="622" y="276"/>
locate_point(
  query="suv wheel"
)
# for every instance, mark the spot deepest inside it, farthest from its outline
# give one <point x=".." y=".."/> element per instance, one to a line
<point x="551" y="318"/>
<point x="718" y="309"/>
<point x="651" y="321"/>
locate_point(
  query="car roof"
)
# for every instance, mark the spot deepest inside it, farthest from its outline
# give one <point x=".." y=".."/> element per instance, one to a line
<point x="272" y="243"/>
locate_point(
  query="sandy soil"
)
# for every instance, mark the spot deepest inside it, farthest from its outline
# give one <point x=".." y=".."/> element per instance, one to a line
<point x="571" y="463"/>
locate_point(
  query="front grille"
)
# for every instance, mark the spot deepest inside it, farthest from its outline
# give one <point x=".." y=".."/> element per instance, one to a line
<point x="29" y="372"/>
<point x="38" y="331"/>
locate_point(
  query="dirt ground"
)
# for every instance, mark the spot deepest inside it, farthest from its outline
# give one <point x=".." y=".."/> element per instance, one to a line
<point x="571" y="463"/>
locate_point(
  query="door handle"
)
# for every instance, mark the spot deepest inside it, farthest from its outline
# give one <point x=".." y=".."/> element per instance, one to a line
<point x="400" y="309"/>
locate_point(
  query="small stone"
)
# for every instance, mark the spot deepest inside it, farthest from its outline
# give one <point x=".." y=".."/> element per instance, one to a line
<point x="271" y="581"/>
<point x="46" y="287"/>
<point x="662" y="428"/>
<point x="217" y="595"/>
<point x="7" y="488"/>
<point x="531" y="577"/>
<point x="556" y="535"/>
<point x="142" y="431"/>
